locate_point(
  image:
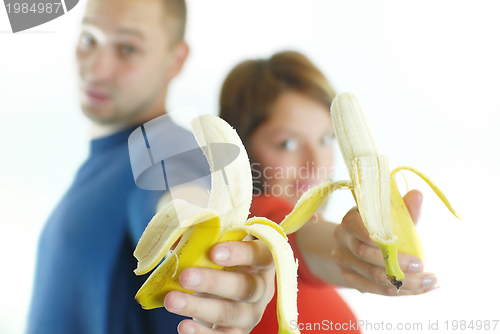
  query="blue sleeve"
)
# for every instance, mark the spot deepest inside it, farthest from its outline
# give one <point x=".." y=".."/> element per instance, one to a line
<point x="141" y="209"/>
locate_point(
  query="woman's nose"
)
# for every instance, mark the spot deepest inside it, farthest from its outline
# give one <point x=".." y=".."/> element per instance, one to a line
<point x="311" y="157"/>
<point x="317" y="161"/>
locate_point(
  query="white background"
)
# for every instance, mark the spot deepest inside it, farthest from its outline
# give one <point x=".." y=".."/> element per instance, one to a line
<point x="428" y="73"/>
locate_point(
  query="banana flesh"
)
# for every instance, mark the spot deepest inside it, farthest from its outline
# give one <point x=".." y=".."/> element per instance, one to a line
<point x="224" y="219"/>
<point x="373" y="186"/>
<point x="376" y="193"/>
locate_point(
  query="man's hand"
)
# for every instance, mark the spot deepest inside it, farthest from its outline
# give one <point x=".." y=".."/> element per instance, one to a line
<point x="233" y="302"/>
<point x="361" y="262"/>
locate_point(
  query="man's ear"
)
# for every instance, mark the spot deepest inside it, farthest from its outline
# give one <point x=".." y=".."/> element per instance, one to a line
<point x="179" y="53"/>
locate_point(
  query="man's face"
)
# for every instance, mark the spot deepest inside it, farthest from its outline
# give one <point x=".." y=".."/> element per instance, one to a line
<point x="124" y="57"/>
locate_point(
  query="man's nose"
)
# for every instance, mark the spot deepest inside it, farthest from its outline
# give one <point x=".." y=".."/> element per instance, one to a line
<point x="101" y="66"/>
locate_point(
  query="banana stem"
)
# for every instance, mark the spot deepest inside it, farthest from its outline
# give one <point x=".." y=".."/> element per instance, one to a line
<point x="394" y="273"/>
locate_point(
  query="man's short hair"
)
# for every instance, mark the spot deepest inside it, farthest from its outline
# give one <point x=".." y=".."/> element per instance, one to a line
<point x="176" y="18"/>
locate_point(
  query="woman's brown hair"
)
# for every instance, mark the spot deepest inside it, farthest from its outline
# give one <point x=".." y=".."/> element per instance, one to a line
<point x="252" y="87"/>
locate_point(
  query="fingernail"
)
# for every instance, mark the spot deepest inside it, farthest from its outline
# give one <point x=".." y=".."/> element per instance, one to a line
<point x="188" y="330"/>
<point x="415" y="267"/>
<point x="222" y="254"/>
<point x="194" y="279"/>
<point x="429" y="281"/>
<point x="178" y="304"/>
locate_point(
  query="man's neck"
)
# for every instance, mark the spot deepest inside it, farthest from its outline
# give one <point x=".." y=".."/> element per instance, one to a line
<point x="98" y="130"/>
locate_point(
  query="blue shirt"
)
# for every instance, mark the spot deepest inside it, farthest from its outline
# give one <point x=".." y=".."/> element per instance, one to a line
<point x="84" y="281"/>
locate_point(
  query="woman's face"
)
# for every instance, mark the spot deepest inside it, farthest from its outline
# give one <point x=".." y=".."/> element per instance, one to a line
<point x="293" y="149"/>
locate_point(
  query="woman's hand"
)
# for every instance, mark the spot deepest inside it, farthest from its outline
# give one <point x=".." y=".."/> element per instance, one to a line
<point x="361" y="262"/>
<point x="233" y="302"/>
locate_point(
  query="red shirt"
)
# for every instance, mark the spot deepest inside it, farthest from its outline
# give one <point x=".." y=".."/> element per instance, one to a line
<point x="321" y="309"/>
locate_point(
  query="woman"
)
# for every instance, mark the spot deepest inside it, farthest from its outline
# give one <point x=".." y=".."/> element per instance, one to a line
<point x="280" y="109"/>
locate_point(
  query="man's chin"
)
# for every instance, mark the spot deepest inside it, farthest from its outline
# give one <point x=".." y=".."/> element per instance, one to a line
<point x="103" y="116"/>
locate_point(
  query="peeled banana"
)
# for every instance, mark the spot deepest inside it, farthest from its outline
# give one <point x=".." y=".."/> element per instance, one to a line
<point x="224" y="219"/>
<point x="373" y="185"/>
<point x="376" y="193"/>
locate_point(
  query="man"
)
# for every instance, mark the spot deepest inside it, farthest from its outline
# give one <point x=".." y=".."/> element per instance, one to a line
<point x="127" y="54"/>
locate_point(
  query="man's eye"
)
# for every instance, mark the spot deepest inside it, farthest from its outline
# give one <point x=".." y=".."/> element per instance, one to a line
<point x="127" y="50"/>
<point x="327" y="139"/>
<point x="87" y="40"/>
<point x="289" y="145"/>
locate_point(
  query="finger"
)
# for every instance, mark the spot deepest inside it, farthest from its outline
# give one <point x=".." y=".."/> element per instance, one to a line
<point x="192" y="327"/>
<point x="413" y="200"/>
<point x="348" y="261"/>
<point x="242" y="253"/>
<point x="373" y="255"/>
<point x="215" y="311"/>
<point x="363" y="251"/>
<point x="231" y="285"/>
<point x="413" y="283"/>
<point x="369" y="252"/>
<point x="366" y="253"/>
<point x="353" y="224"/>
<point x="410" y="263"/>
<point x="368" y="262"/>
<point x="416" y="292"/>
<point x="418" y="283"/>
<point x="363" y="284"/>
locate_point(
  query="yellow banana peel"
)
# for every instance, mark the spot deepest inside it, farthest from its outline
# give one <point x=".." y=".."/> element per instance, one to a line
<point x="376" y="192"/>
<point x="225" y="219"/>
<point x="374" y="188"/>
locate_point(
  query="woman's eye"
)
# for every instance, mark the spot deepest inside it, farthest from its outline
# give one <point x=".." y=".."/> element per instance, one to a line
<point x="127" y="50"/>
<point x="290" y="145"/>
<point x="327" y="139"/>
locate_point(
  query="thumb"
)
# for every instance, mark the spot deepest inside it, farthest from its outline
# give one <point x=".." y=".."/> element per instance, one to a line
<point x="413" y="200"/>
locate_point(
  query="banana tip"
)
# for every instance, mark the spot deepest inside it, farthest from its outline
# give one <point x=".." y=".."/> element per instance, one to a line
<point x="395" y="282"/>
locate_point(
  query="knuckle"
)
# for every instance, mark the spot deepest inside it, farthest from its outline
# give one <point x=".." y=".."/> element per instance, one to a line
<point x="336" y="256"/>
<point x="259" y="255"/>
<point x="348" y="277"/>
<point x="360" y="249"/>
<point x="348" y="220"/>
<point x="376" y="274"/>
<point x="208" y="283"/>
<point x="250" y="293"/>
<point x="389" y="291"/>
<point x="341" y="257"/>
<point x="255" y="319"/>
<point x="227" y="314"/>
<point x="268" y="262"/>
<point x="338" y="232"/>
